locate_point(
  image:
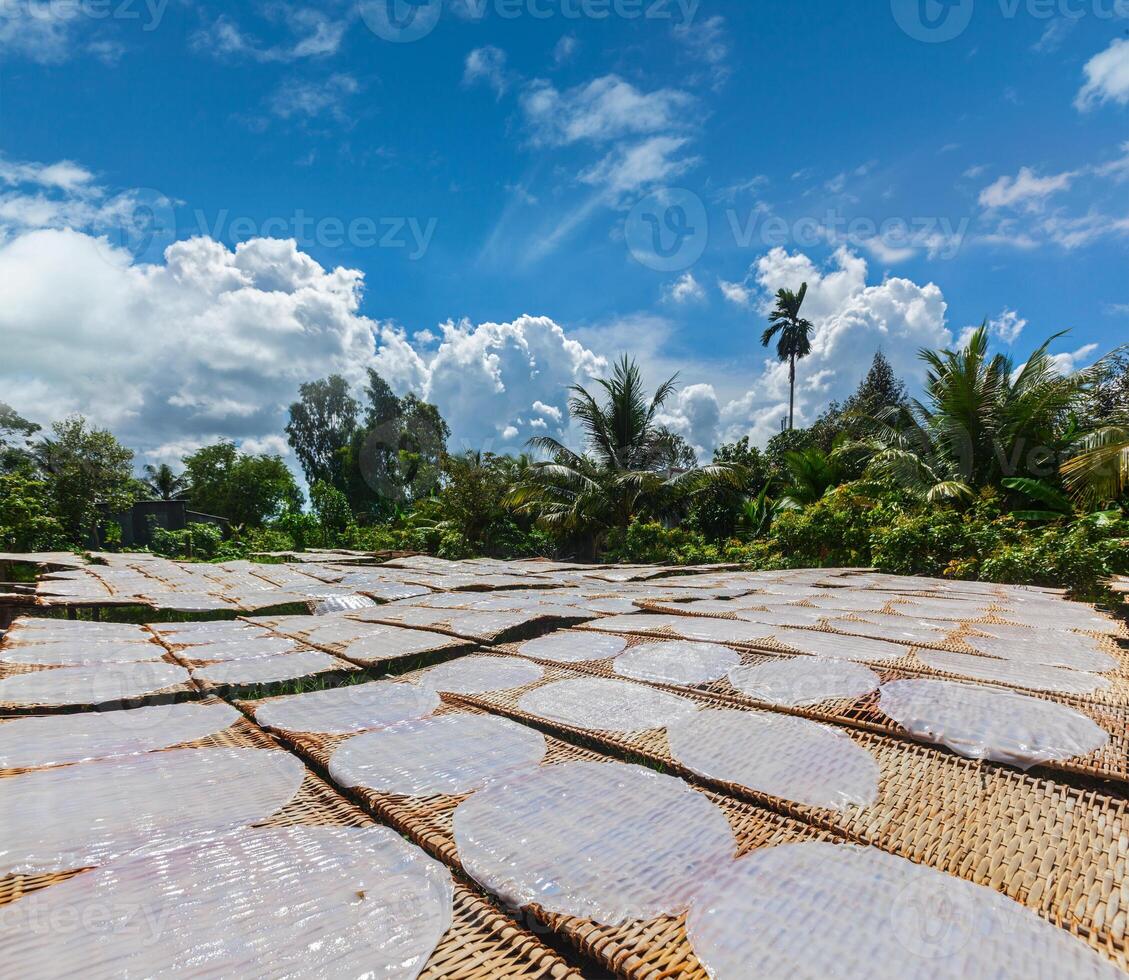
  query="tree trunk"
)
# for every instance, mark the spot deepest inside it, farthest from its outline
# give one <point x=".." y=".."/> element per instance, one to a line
<point x="791" y="392"/>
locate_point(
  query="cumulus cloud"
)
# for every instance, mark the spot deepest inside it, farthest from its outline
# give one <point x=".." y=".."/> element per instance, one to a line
<point x="684" y="289"/>
<point x="1107" y="77"/>
<point x="1007" y="326"/>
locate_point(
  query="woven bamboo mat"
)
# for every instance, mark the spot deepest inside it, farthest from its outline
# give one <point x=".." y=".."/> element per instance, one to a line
<point x="1060" y="850"/>
<point x="1116" y="695"/>
<point x="1111" y="762"/>
<point x="647" y="950"/>
<point x="178" y="692"/>
<point x="482" y="942"/>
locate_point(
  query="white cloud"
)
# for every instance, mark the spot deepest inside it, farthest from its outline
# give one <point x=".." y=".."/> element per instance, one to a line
<point x="737" y="293"/>
<point x="1027" y="189"/>
<point x="707" y="41"/>
<point x="604" y="109"/>
<point x="1054" y="34"/>
<point x="1071" y="361"/>
<point x="1007" y="326"/>
<point x="631" y="167"/>
<point x="549" y="411"/>
<point x="1107" y="77"/>
<point x="565" y="48"/>
<point x="313" y="35"/>
<point x="684" y="289"/>
<point x="306" y="99"/>
<point x="488" y="65"/>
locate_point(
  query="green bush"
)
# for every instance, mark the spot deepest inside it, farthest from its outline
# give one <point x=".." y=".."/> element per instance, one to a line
<point x="652" y="543"/>
<point x="202" y="542"/>
<point x="26" y="522"/>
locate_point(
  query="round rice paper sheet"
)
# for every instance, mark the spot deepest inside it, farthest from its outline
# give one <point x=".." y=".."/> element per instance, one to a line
<point x="91" y="684"/>
<point x="1063" y="650"/>
<point x="836" y="647"/>
<point x="268" y="670"/>
<point x="677" y="662"/>
<point x="790" y="758"/>
<point x="573" y="648"/>
<point x="606" y="705"/>
<point x="988" y="723"/>
<point x="818" y="909"/>
<point x="604" y="841"/>
<point x="233" y="651"/>
<point x="901" y="632"/>
<point x="1055" y="680"/>
<point x="804" y="680"/>
<point x="289" y="902"/>
<point x="29" y="743"/>
<point x="474" y="675"/>
<point x="448" y="755"/>
<point x="348" y="709"/>
<point x="83" y="816"/>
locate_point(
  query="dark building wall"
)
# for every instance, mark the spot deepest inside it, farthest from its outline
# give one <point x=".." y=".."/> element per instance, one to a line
<point x="172" y="515"/>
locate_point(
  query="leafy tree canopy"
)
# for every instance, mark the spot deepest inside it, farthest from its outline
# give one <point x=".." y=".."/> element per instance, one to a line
<point x="246" y="489"/>
<point x="322" y="421"/>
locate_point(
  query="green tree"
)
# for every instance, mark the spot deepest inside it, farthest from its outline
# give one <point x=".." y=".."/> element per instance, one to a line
<point x="793" y="337"/>
<point x="89" y="476"/>
<point x="982" y="420"/>
<point x="321" y="424"/>
<point x="879" y="392"/>
<point x="163" y="483"/>
<point x="16" y="434"/>
<point x="331" y="508"/>
<point x="246" y="489"/>
<point x="628" y="467"/>
<point x="26" y="522"/>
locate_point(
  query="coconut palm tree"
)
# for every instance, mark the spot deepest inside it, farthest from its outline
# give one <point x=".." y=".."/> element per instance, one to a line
<point x="982" y="420"/>
<point x="630" y="463"/>
<point x="794" y="337"/>
<point x="163" y="483"/>
<point x="1099" y="471"/>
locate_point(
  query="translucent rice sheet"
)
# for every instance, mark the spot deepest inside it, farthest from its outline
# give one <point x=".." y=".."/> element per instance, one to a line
<point x="791" y="758"/>
<point x="898" y="632"/>
<point x="268" y="670"/>
<point x="605" y="705"/>
<point x="987" y="723"/>
<point x="348" y="709"/>
<point x="63" y="630"/>
<point x="1060" y="650"/>
<point x="1057" y="614"/>
<point x="1035" y="676"/>
<point x="804" y="680"/>
<point x="99" y="684"/>
<point x="573" y="648"/>
<point x="850" y="601"/>
<point x="230" y="651"/>
<point x="719" y="630"/>
<point x="782" y="616"/>
<point x="342" y="603"/>
<point x="604" y="841"/>
<point x="63" y="653"/>
<point x="293" y="902"/>
<point x="82" y="816"/>
<point x="677" y="662"/>
<point x="392" y="642"/>
<point x="27" y="743"/>
<point x="839" y="910"/>
<point x="333" y="630"/>
<point x="638" y="623"/>
<point x="906" y="626"/>
<point x="952" y="610"/>
<point x="836" y="647"/>
<point x="474" y="675"/>
<point x="449" y="755"/>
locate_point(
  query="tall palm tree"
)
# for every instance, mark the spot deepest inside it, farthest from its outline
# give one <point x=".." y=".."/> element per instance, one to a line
<point x="630" y="463"/>
<point x="982" y="420"/>
<point x="163" y="483"/>
<point x="794" y="342"/>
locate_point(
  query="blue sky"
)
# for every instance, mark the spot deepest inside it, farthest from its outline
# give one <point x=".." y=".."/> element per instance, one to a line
<point x="474" y="210"/>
